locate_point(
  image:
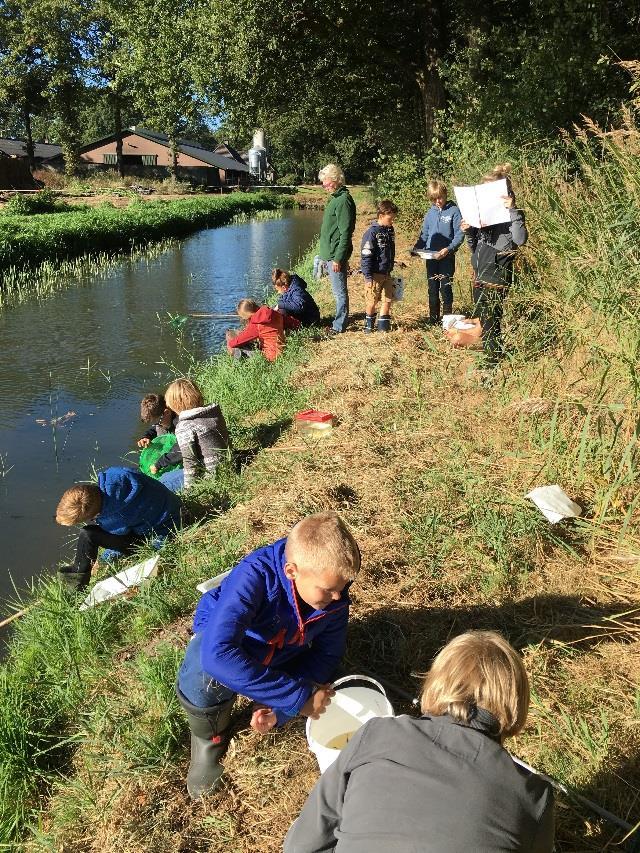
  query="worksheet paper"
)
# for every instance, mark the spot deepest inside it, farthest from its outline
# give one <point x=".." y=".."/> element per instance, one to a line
<point x="483" y="204"/>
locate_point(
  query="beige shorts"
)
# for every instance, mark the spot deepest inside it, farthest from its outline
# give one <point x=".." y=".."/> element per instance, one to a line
<point x="382" y="285"/>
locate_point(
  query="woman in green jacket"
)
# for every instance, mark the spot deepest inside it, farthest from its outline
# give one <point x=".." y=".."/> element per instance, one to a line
<point x="338" y="223"/>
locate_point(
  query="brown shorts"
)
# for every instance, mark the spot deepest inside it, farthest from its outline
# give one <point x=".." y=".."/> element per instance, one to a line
<point x="382" y="285"/>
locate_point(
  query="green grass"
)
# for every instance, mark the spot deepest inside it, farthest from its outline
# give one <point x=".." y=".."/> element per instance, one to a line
<point x="31" y="240"/>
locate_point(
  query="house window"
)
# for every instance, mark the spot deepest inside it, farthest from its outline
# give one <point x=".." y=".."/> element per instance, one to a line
<point x="110" y="159"/>
<point x="149" y="159"/>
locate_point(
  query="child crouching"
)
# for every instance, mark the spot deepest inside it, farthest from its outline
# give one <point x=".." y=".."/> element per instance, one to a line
<point x="201" y="431"/>
<point x="264" y="330"/>
<point x="125" y="507"/>
<point x="275" y="631"/>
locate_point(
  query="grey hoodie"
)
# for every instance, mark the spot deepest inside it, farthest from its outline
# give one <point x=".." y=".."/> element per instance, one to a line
<point x="503" y="241"/>
<point x="428" y="785"/>
<point x="202" y="434"/>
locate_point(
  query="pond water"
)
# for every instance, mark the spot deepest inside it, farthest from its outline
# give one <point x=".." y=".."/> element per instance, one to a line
<point x="94" y="349"/>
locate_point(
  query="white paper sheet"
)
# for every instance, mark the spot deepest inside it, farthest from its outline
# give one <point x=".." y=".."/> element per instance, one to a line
<point x="119" y="584"/>
<point x="483" y="204"/>
<point x="554" y="503"/>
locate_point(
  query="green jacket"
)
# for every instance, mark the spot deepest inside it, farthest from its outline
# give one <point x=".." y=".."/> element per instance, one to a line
<point x="337" y="227"/>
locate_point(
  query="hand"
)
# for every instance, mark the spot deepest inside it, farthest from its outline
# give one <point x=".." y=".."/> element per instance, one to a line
<point x="508" y="201"/>
<point x="317" y="703"/>
<point x="464" y="225"/>
<point x="263" y="720"/>
<point x="442" y="254"/>
<point x="144" y="442"/>
<point x="228" y="335"/>
<point x="337" y="266"/>
<point x="153" y="469"/>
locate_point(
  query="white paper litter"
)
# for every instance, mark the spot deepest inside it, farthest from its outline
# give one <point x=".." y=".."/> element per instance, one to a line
<point x="554" y="503"/>
<point x="119" y="584"/>
<point x="212" y="583"/>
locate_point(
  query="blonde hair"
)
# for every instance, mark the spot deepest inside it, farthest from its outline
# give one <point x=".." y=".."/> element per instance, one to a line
<point x="502" y="170"/>
<point x="436" y="189"/>
<point x="479" y="669"/>
<point x="183" y="394"/>
<point x="323" y="543"/>
<point x="246" y="307"/>
<point x="80" y="503"/>
<point x="331" y="172"/>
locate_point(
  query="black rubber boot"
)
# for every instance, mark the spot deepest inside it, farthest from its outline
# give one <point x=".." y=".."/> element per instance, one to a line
<point x="384" y="323"/>
<point x="72" y="579"/>
<point x="209" y="741"/>
<point x="447" y="309"/>
<point x="369" y="323"/>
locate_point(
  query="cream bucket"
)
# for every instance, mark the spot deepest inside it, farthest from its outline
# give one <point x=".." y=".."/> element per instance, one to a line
<point x="358" y="698"/>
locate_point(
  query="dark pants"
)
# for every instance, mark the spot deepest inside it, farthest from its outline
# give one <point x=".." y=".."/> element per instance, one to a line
<point x="93" y="537"/>
<point x="439" y="275"/>
<point x="488" y="308"/>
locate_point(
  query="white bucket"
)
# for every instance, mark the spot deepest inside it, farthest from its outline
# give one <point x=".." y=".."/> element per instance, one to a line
<point x="450" y="320"/>
<point x="350" y="708"/>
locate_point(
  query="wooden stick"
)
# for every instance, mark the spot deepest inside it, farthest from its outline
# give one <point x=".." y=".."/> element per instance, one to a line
<point x="212" y="316"/>
<point x="16" y="615"/>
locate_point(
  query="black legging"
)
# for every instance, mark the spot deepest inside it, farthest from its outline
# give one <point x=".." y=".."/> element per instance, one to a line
<point x="92" y="537"/>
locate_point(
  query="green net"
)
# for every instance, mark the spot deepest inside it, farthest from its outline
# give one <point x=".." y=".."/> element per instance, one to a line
<point x="149" y="456"/>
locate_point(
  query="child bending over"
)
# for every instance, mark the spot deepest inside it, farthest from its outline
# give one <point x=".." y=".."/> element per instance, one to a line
<point x="119" y="512"/>
<point x="274" y="631"/>
<point x="264" y="330"/>
<point x="201" y="430"/>
<point x="294" y="298"/>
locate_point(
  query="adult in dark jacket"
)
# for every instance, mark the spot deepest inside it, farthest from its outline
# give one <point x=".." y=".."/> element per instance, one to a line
<point x="336" y="234"/>
<point x="442" y="783"/>
<point x="493" y="250"/>
<point x="125" y="507"/>
<point x="294" y="299"/>
<point x="442" y="235"/>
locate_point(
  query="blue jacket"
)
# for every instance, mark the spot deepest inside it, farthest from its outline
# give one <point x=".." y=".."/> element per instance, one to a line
<point x="261" y="641"/>
<point x="377" y="250"/>
<point x="135" y="503"/>
<point x="299" y="303"/>
<point x="440" y="230"/>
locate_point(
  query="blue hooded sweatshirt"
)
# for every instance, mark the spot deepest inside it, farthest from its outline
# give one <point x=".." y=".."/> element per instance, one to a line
<point x="441" y="230"/>
<point x="299" y="303"/>
<point x="377" y="250"/>
<point x="259" y="639"/>
<point x="135" y="503"/>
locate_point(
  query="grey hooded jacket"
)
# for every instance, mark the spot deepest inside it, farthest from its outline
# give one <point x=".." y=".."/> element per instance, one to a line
<point x="202" y="434"/>
<point x="427" y="785"/>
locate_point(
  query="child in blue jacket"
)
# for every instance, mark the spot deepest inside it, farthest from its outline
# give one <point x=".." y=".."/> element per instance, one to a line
<point x="377" y="257"/>
<point x="275" y="631"/>
<point x="124" y="508"/>
<point x="294" y="298"/>
<point x="441" y="233"/>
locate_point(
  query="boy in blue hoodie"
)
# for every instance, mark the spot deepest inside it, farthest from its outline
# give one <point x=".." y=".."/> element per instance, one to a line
<point x="377" y="256"/>
<point x="275" y="631"/>
<point x="441" y="233"/>
<point x="124" y="508"/>
<point x="294" y="299"/>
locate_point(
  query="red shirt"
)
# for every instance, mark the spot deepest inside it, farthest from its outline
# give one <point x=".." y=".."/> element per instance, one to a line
<point x="267" y="326"/>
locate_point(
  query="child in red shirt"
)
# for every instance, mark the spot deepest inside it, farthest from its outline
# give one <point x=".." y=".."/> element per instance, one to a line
<point x="264" y="330"/>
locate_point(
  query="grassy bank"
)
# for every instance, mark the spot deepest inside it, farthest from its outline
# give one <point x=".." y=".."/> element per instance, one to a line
<point x="430" y="468"/>
<point x="36" y="248"/>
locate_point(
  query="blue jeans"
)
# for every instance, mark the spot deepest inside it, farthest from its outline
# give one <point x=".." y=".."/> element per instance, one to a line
<point x="340" y="294"/>
<point x="173" y="480"/>
<point x="195" y="685"/>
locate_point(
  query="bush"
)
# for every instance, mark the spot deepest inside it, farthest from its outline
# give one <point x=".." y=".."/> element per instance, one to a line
<point x="25" y="205"/>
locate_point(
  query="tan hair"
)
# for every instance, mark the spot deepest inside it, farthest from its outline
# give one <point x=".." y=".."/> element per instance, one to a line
<point x="152" y="406"/>
<point x="246" y="307"/>
<point x="323" y="543"/>
<point x="331" y="172"/>
<point x="479" y="669"/>
<point x="280" y="278"/>
<point x="436" y="189"/>
<point x="80" y="503"/>
<point x="502" y="170"/>
<point x="386" y="206"/>
<point x="183" y="394"/>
